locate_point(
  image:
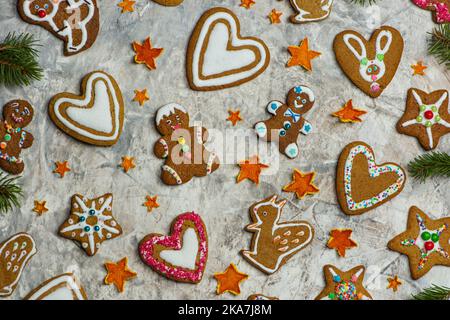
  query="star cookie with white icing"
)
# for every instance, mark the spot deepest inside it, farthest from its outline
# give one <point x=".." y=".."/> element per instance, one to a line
<point x="91" y="222"/>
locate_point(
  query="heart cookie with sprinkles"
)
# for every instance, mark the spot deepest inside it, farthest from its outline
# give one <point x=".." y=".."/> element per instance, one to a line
<point x="361" y="184"/>
<point x="218" y="57"/>
<point x="95" y="117"/>
<point x="181" y="256"/>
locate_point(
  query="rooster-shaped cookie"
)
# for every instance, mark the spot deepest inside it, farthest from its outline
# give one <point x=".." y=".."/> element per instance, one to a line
<point x="274" y="242"/>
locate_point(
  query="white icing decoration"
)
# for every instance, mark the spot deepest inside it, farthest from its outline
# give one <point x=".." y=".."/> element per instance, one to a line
<point x="98" y="117"/>
<point x="168" y="110"/>
<point x="215" y="53"/>
<point x="302" y="14"/>
<point x="65" y="292"/>
<point x="69" y="26"/>
<point x="187" y="255"/>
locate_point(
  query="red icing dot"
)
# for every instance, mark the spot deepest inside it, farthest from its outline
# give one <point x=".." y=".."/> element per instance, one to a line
<point x="428" y="114"/>
<point x="429" y="245"/>
<point x="42" y="13"/>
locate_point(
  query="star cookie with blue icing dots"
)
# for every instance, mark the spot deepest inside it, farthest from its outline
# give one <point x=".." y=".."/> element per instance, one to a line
<point x="287" y="120"/>
<point x="91" y="222"/>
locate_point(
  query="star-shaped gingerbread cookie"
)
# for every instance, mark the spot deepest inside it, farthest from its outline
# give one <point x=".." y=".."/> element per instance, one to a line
<point x="426" y="117"/>
<point x="342" y="285"/>
<point x="425" y="242"/>
<point x="91" y="222"/>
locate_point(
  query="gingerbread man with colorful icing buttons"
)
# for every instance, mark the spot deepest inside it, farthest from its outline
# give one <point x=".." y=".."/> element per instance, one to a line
<point x="287" y="120"/>
<point x="17" y="114"/>
<point x="182" y="146"/>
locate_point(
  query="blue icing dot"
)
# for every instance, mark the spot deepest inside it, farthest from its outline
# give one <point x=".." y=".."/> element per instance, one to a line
<point x="273" y="106"/>
<point x="298" y="89"/>
<point x="307" y="128"/>
<point x="336" y="278"/>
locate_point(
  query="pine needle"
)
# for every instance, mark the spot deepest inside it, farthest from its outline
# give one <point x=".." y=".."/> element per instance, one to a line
<point x="18" y="60"/>
<point x="10" y="193"/>
<point x="433" y="293"/>
<point x="430" y="165"/>
<point x="363" y="2"/>
<point x="439" y="44"/>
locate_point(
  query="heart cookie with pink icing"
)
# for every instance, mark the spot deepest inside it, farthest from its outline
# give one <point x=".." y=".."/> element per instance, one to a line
<point x="181" y="256"/>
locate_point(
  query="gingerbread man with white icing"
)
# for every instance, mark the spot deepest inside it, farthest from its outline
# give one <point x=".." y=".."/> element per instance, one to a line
<point x="182" y="147"/>
<point x="17" y="114"/>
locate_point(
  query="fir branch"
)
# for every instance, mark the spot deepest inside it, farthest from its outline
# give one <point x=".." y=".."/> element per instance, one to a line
<point x="430" y="165"/>
<point x="18" y="60"/>
<point x="10" y="193"/>
<point x="439" y="44"/>
<point x="433" y="293"/>
<point x="363" y="2"/>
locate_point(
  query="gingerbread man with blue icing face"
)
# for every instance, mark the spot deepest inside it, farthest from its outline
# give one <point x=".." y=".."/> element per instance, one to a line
<point x="182" y="146"/>
<point x="287" y="120"/>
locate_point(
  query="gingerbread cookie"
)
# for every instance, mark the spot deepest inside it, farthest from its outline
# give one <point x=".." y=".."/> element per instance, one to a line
<point x="370" y="65"/>
<point x="363" y="185"/>
<point x="169" y="3"/>
<point x="218" y="57"/>
<point x="342" y="285"/>
<point x="90" y="222"/>
<point x="274" y="242"/>
<point x="426" y="117"/>
<point x="17" y="114"/>
<point x="261" y="297"/>
<point x="287" y="120"/>
<point x="76" y="22"/>
<point x="15" y="253"/>
<point x="440" y="9"/>
<point x="310" y="10"/>
<point x="95" y="117"/>
<point x="182" y="146"/>
<point x="63" y="287"/>
<point x="425" y="242"/>
<point x="181" y="256"/>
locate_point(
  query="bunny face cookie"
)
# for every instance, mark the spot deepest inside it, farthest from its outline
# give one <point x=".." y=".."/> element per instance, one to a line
<point x="73" y="21"/>
<point x="370" y="65"/>
<point x="182" y="147"/>
<point x="310" y="10"/>
<point x="287" y="120"/>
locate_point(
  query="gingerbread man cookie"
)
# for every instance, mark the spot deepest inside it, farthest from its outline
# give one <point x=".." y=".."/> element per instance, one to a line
<point x="440" y="9"/>
<point x="287" y="120"/>
<point x="182" y="147"/>
<point x="426" y="117"/>
<point x="310" y="10"/>
<point x="274" y="242"/>
<point x="17" y="114"/>
<point x="76" y="22"/>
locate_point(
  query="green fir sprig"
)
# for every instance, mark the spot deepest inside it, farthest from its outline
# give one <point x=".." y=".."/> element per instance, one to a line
<point x="364" y="2"/>
<point x="10" y="193"/>
<point x="439" y="44"/>
<point x="18" y="60"/>
<point x="433" y="293"/>
<point x="430" y="165"/>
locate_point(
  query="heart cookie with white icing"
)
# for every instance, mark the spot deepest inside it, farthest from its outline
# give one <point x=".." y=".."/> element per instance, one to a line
<point x="218" y="57"/>
<point x="181" y="256"/>
<point x="95" y="117"/>
<point x="363" y="185"/>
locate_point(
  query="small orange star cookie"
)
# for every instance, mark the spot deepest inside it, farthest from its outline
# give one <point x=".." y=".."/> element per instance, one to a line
<point x="340" y="240"/>
<point x="394" y="283"/>
<point x="39" y="207"/>
<point x="419" y="69"/>
<point x="229" y="280"/>
<point x="247" y="4"/>
<point x="61" y="168"/>
<point x="127" y="163"/>
<point x="250" y="169"/>
<point x="301" y="55"/>
<point x="141" y="96"/>
<point x="146" y="54"/>
<point x="127" y="6"/>
<point x="151" y="203"/>
<point x="274" y="16"/>
<point x="348" y="113"/>
<point x="302" y="184"/>
<point x="234" y="117"/>
<point x="119" y="273"/>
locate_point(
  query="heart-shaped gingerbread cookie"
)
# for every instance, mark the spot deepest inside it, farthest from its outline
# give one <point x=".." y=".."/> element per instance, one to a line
<point x="361" y="184"/>
<point x="218" y="57"/>
<point x="370" y="65"/>
<point x="181" y="256"/>
<point x="95" y="117"/>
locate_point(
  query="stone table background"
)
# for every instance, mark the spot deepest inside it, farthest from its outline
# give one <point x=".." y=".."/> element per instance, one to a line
<point x="222" y="203"/>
